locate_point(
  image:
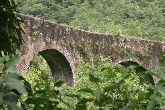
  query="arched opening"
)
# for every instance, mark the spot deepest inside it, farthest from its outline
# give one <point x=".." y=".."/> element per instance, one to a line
<point x="139" y="69"/>
<point x="57" y="64"/>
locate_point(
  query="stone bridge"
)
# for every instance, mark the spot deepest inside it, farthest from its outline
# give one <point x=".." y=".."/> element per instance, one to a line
<point x="63" y="46"/>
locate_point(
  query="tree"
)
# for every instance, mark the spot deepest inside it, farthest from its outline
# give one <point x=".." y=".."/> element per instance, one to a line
<point x="10" y="27"/>
<point x="12" y="85"/>
<point x="60" y="11"/>
<point x="134" y="18"/>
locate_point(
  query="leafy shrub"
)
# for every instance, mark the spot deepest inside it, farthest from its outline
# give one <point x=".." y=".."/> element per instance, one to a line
<point x="99" y="87"/>
<point x="111" y="88"/>
<point x="12" y="85"/>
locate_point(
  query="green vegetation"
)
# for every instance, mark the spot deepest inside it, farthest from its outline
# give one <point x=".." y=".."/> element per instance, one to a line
<point x="100" y="87"/>
<point x="10" y="28"/>
<point x="134" y="18"/>
<point x="12" y="86"/>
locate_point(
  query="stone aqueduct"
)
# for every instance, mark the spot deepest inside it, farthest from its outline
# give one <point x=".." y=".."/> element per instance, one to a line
<point x="62" y="47"/>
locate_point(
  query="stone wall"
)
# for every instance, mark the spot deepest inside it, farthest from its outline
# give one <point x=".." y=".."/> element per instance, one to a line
<point x="70" y="44"/>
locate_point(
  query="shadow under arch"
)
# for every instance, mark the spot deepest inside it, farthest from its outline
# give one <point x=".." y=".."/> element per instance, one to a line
<point x="58" y="65"/>
<point x="140" y="70"/>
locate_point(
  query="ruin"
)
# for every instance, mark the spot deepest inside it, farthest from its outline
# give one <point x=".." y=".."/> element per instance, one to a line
<point x="63" y="46"/>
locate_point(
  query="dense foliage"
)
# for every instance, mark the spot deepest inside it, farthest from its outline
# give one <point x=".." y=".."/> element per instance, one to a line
<point x="11" y="84"/>
<point x="99" y="87"/>
<point x="134" y="18"/>
<point x="10" y="28"/>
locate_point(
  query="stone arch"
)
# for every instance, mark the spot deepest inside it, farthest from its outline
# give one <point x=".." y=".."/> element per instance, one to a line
<point x="139" y="69"/>
<point x="59" y="65"/>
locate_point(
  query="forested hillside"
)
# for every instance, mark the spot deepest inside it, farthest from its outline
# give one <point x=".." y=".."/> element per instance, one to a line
<point x="99" y="86"/>
<point x="133" y="18"/>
